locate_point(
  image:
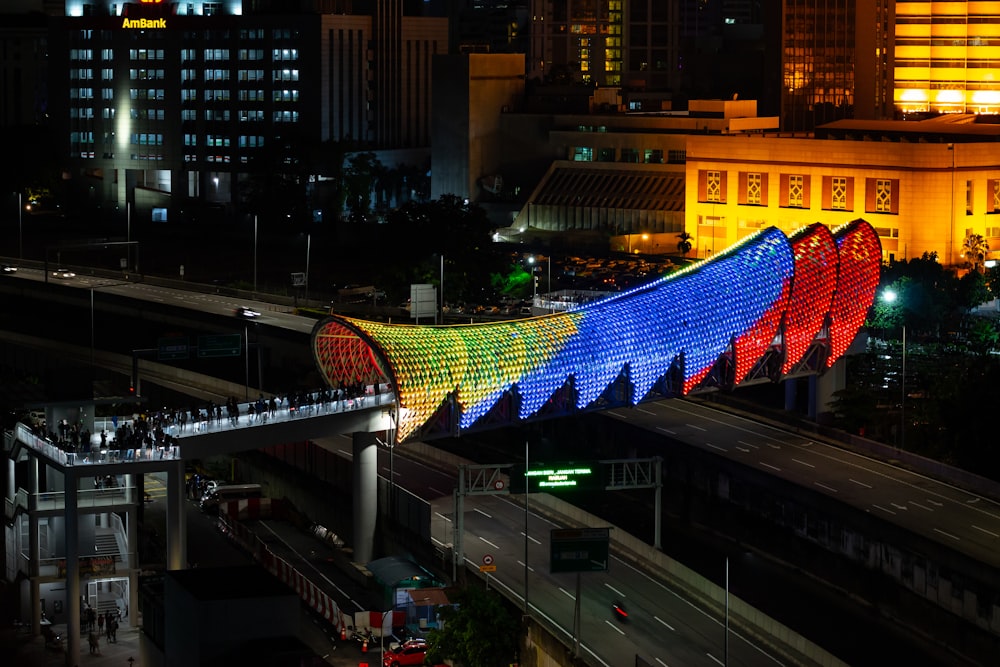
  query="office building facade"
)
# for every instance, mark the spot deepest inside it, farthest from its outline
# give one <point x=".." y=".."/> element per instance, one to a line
<point x="172" y="101"/>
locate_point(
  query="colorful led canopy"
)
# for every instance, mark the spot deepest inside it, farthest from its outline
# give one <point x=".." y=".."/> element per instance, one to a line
<point x="708" y="326"/>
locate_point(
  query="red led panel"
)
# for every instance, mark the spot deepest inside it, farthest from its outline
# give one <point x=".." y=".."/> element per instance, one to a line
<point x="813" y="287"/>
<point x="857" y="279"/>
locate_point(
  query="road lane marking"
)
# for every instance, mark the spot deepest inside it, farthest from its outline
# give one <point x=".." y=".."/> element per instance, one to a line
<point x="748" y="444"/>
<point x="721" y="449"/>
<point x="695" y="427"/>
<point x="645" y="412"/>
<point x="568" y="594"/>
<point x="495" y="546"/>
<point x="883" y="509"/>
<point x="521" y="563"/>
<point x="954" y="537"/>
<point x="743" y="449"/>
<point x="934" y="502"/>
<point x="620" y="631"/>
<point x="615" y="590"/>
<point x="808" y="465"/>
<point x="530" y="538"/>
<point x="662" y="663"/>
<point x="431" y="488"/>
<point x="443" y="517"/>
<point x="851" y="479"/>
<point x="899" y="507"/>
<point x="983" y="530"/>
<point x="714" y="659"/>
<point x="476" y="509"/>
<point x="923" y="507"/>
<point x="660" y="620"/>
<point x="768" y="465"/>
<point x="665" y="430"/>
<point x="824" y="486"/>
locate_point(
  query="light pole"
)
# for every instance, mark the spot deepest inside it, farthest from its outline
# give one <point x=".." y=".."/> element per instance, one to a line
<point x="308" y="249"/>
<point x="534" y="281"/>
<point x="255" y="256"/>
<point x="890" y="296"/>
<point x="20" y="228"/>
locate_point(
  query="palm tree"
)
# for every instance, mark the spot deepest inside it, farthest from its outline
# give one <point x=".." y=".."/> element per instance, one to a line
<point x="975" y="248"/>
<point x="684" y="244"/>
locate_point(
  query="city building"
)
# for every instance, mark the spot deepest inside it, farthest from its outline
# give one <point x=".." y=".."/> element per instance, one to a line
<point x="924" y="186"/>
<point x="24" y="93"/>
<point x="170" y="102"/>
<point x="946" y="57"/>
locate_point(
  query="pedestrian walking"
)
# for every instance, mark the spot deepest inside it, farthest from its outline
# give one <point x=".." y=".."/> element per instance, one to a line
<point x="100" y="624"/>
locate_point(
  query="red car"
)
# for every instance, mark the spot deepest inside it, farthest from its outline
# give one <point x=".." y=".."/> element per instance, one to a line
<point x="406" y="654"/>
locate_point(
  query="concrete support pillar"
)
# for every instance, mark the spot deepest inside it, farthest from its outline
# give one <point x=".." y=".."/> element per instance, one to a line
<point x="834" y="379"/>
<point x="33" y="555"/>
<point x="72" y="602"/>
<point x="176" y="519"/>
<point x="11" y="481"/>
<point x="365" y="495"/>
<point x="132" y="536"/>
<point x="791" y="393"/>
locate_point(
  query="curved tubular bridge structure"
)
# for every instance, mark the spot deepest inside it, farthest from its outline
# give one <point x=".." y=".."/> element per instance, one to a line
<point x="769" y="308"/>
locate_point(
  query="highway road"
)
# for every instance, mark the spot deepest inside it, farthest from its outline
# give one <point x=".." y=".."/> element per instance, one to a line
<point x="957" y="519"/>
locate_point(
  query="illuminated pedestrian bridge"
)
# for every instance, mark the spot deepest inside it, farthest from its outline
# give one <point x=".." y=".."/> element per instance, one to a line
<point x="768" y="308"/>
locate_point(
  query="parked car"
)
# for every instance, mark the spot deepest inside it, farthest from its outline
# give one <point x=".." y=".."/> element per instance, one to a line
<point x="64" y="274"/>
<point x="400" y="656"/>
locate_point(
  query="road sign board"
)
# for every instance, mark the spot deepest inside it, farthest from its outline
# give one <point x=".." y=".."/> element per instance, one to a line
<point x="172" y="347"/>
<point x="488" y="559"/>
<point x="487" y="568"/>
<point x="222" y="345"/>
<point x="579" y="549"/>
<point x="554" y="477"/>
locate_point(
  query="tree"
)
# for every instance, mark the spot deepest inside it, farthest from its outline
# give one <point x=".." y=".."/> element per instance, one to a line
<point x="477" y="631"/>
<point x="972" y="290"/>
<point x="684" y="242"/>
<point x="983" y="335"/>
<point x="975" y="248"/>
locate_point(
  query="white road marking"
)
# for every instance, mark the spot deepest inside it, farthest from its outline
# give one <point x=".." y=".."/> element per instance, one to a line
<point x="665" y="430"/>
<point x="568" y="594"/>
<point x="748" y="444"/>
<point x="645" y="412"/>
<point x="697" y="428"/>
<point x="495" y="546"/>
<point x="899" y="507"/>
<point x="443" y="517"/>
<point x="660" y="620"/>
<point x="983" y="530"/>
<point x="883" y="509"/>
<point x="521" y="563"/>
<point x="923" y="507"/>
<point x="714" y="659"/>
<point x="615" y="590"/>
<point x="867" y="486"/>
<point x="743" y="449"/>
<point x="431" y="488"/>
<point x="954" y="537"/>
<point x="808" y="465"/>
<point x="476" y="509"/>
<point x="530" y="538"/>
<point x="824" y="486"/>
<point x="620" y="631"/>
<point x="768" y="465"/>
<point x="721" y="449"/>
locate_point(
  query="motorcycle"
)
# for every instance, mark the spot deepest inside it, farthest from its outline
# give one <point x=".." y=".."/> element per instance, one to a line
<point x="619" y="611"/>
<point x="362" y="636"/>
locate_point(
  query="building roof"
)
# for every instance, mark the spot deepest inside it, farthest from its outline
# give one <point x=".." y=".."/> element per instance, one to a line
<point x="934" y="130"/>
<point x="602" y="188"/>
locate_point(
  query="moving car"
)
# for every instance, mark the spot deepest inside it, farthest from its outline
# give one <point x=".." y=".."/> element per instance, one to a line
<point x="8" y="268"/>
<point x="65" y="274"/>
<point x="247" y="313"/>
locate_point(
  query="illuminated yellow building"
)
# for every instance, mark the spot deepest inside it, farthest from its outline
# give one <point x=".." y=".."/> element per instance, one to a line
<point x="924" y="186"/>
<point x="947" y="57"/>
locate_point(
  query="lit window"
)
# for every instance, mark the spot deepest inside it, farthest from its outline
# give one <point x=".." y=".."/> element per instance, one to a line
<point x="838" y="193"/>
<point x="714" y="186"/>
<point x="796" y="191"/>
<point x="754" y="188"/>
<point x="883" y="195"/>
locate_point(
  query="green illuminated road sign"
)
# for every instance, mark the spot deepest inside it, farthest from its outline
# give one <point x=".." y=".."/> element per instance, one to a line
<point x="555" y="477"/>
<point x="223" y="345"/>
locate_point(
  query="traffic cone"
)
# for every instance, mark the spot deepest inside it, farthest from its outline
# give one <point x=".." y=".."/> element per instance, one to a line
<point x="343" y="633"/>
<point x="364" y="646"/>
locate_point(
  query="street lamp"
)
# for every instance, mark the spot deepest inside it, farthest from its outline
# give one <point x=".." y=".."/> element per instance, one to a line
<point x="534" y="281"/>
<point x="20" y="228"/>
<point x="308" y="249"/>
<point x="890" y="296"/>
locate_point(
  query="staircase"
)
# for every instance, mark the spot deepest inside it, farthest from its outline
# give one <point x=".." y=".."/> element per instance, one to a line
<point x="107" y="545"/>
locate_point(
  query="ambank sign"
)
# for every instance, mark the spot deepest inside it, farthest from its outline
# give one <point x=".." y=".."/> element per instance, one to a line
<point x="144" y="23"/>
